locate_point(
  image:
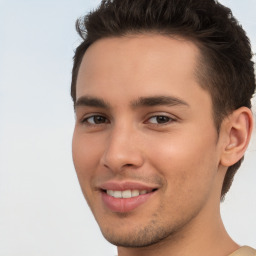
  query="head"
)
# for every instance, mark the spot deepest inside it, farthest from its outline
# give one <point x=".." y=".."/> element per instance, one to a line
<point x="225" y="68"/>
<point x="220" y="54"/>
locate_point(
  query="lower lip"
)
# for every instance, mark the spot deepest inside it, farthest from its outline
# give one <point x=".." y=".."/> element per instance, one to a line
<point x="124" y="204"/>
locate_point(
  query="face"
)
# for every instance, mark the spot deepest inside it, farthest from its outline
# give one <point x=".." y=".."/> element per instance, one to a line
<point x="145" y="147"/>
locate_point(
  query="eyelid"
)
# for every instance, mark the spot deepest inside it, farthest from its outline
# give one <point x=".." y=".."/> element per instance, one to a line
<point x="84" y="119"/>
<point x="172" y="118"/>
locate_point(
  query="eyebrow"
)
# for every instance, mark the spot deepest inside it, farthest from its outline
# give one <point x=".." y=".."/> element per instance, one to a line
<point x="91" y="102"/>
<point x="158" y="101"/>
<point x="140" y="102"/>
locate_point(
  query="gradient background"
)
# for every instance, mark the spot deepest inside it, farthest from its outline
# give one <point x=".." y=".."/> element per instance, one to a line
<point x="42" y="210"/>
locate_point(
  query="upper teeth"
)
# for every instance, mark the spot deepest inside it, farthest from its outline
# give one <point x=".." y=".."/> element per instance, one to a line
<point x="126" y="193"/>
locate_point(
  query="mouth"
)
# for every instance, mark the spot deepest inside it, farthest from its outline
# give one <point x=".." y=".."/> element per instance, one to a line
<point x="125" y="197"/>
<point x="129" y="193"/>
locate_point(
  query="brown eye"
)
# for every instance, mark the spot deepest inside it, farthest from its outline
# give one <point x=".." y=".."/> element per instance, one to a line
<point x="160" y="119"/>
<point x="96" y="119"/>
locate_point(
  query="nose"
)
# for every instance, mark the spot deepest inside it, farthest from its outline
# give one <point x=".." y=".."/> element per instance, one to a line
<point x="123" y="150"/>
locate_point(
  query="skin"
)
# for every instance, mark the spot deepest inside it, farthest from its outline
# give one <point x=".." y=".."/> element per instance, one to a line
<point x="172" y="147"/>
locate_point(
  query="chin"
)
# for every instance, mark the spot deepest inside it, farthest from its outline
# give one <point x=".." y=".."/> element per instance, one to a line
<point x="137" y="238"/>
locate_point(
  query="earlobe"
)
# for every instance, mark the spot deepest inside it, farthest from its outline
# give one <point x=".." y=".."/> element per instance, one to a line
<point x="238" y="130"/>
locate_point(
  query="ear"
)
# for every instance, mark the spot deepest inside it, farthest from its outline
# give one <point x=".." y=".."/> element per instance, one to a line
<point x="238" y="130"/>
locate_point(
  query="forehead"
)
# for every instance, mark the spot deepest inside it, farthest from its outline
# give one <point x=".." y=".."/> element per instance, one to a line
<point x="139" y="65"/>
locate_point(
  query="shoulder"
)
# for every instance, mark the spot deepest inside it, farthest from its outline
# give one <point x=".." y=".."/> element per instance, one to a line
<point x="244" y="251"/>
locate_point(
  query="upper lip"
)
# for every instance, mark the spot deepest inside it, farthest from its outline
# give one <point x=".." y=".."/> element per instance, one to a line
<point x="126" y="185"/>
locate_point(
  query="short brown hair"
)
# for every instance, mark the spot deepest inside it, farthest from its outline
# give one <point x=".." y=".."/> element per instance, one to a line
<point x="226" y="67"/>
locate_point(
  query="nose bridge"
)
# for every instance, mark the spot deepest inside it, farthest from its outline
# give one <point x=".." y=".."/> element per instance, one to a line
<point x="122" y="148"/>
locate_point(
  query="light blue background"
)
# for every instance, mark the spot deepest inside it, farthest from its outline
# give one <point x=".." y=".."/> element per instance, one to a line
<point x="42" y="210"/>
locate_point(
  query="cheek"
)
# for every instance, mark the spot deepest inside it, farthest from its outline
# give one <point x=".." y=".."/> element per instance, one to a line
<point x="189" y="178"/>
<point x="188" y="163"/>
<point x="86" y="155"/>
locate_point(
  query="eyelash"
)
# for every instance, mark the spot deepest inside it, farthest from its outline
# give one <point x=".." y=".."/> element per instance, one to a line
<point x="165" y="118"/>
<point x="86" y="120"/>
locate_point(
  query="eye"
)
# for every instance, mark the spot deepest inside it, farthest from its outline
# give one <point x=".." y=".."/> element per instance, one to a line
<point x="160" y="119"/>
<point x="95" y="119"/>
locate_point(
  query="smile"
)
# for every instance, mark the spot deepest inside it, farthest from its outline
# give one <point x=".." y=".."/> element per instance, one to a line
<point x="126" y="193"/>
<point x="126" y="196"/>
<point x="125" y="200"/>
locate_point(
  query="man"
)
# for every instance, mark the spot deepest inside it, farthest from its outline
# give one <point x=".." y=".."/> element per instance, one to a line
<point x="162" y="92"/>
